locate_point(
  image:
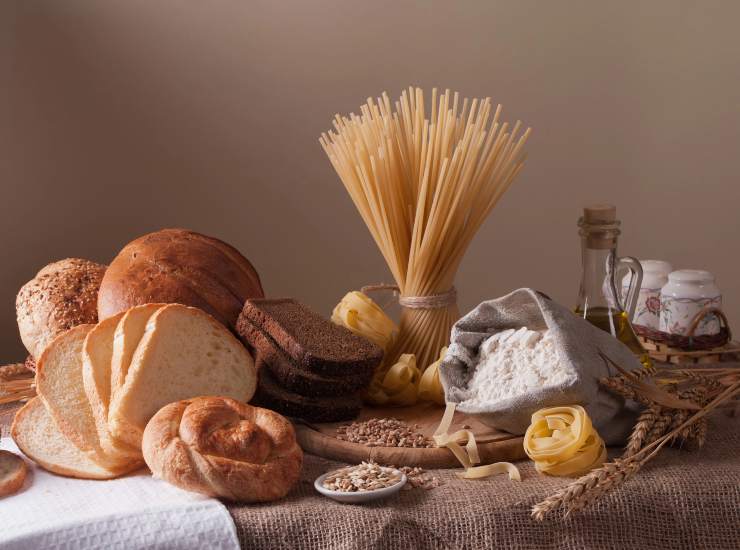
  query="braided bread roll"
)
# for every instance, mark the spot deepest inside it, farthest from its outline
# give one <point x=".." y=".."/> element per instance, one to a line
<point x="223" y="448"/>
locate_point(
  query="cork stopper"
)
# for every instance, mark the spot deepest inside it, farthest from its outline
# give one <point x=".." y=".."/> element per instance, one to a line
<point x="600" y="226"/>
<point x="600" y="213"/>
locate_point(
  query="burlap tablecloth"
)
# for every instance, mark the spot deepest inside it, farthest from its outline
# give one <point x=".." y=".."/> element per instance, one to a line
<point x="681" y="499"/>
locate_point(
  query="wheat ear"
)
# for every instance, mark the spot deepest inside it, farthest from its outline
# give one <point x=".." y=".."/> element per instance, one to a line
<point x="639" y="434"/>
<point x="587" y="488"/>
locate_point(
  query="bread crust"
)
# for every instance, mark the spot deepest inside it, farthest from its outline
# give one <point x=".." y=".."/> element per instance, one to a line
<point x="13" y="472"/>
<point x="179" y="266"/>
<point x="61" y="296"/>
<point x="223" y="448"/>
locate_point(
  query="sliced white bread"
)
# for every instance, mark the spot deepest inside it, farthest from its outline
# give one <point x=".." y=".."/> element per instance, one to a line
<point x="38" y="436"/>
<point x="128" y="332"/>
<point x="184" y="353"/>
<point x="13" y="472"/>
<point x="97" y="353"/>
<point x="59" y="385"/>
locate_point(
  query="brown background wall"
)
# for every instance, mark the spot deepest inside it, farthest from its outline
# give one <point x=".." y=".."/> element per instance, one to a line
<point x="118" y="118"/>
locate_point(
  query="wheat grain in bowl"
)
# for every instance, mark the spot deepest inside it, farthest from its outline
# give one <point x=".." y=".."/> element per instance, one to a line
<point x="363" y="482"/>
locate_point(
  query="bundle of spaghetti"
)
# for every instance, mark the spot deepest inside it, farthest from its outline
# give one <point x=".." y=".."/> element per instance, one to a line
<point x="423" y="185"/>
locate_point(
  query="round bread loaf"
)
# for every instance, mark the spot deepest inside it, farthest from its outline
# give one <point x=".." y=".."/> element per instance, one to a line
<point x="61" y="296"/>
<point x="179" y="266"/>
<point x="223" y="448"/>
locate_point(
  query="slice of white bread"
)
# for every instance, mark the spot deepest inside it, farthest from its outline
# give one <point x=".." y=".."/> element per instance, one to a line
<point x="184" y="353"/>
<point x="38" y="436"/>
<point x="97" y="353"/>
<point x="128" y="332"/>
<point x="59" y="385"/>
<point x="13" y="472"/>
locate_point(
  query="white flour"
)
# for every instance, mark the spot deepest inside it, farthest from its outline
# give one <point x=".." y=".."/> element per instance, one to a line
<point x="513" y="363"/>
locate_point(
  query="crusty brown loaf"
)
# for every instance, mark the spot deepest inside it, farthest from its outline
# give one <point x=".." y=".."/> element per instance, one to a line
<point x="223" y="448"/>
<point x="61" y="296"/>
<point x="179" y="266"/>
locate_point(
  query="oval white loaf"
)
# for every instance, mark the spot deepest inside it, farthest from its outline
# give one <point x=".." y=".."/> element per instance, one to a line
<point x="62" y="295"/>
<point x="184" y="353"/>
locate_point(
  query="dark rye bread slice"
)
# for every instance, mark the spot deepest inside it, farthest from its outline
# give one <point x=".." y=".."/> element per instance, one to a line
<point x="289" y="375"/>
<point x="313" y="409"/>
<point x="310" y="340"/>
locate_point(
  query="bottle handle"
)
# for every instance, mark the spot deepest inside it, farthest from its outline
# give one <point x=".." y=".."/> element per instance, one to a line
<point x="633" y="292"/>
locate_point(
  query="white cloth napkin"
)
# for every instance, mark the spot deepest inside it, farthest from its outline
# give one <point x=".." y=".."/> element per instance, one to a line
<point x="132" y="512"/>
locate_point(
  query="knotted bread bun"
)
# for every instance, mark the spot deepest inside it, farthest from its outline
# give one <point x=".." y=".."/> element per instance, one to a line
<point x="223" y="448"/>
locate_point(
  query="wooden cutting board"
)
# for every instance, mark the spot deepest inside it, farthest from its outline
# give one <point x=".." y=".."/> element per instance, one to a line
<point x="493" y="445"/>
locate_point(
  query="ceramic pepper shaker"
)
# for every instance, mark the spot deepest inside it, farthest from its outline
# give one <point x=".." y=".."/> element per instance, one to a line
<point x="654" y="277"/>
<point x="687" y="292"/>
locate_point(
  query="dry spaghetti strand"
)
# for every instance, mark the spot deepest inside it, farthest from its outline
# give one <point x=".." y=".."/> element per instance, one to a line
<point x="424" y="182"/>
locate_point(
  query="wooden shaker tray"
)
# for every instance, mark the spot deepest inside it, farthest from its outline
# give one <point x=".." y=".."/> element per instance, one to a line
<point x="493" y="445"/>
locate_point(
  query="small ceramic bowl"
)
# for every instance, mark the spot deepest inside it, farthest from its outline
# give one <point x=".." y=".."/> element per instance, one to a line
<point x="360" y="496"/>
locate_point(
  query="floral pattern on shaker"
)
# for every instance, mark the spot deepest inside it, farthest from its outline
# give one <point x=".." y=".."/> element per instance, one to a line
<point x="647" y="312"/>
<point x="677" y="314"/>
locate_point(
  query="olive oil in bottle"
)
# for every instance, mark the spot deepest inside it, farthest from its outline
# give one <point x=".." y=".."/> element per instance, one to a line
<point x="598" y="299"/>
<point x="618" y="325"/>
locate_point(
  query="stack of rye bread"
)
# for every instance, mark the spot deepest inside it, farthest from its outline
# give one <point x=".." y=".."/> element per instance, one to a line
<point x="308" y="367"/>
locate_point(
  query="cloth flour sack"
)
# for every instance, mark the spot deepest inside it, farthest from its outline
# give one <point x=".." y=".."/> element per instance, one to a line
<point x="578" y="345"/>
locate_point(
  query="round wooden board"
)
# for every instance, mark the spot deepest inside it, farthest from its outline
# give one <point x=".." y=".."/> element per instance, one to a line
<point x="493" y="445"/>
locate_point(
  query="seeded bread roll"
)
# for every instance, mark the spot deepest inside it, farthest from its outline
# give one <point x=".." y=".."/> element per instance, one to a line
<point x="183" y="267"/>
<point x="61" y="296"/>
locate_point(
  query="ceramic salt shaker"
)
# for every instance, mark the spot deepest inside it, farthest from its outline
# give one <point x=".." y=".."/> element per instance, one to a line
<point x="654" y="277"/>
<point x="687" y="292"/>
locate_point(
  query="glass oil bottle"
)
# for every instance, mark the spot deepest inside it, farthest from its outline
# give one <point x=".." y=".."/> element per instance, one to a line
<point x="598" y="299"/>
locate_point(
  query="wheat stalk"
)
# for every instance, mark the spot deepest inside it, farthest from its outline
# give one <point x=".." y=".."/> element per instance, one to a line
<point x="618" y="385"/>
<point x="698" y="432"/>
<point x="588" y="488"/>
<point x="14" y="371"/>
<point x="17" y="389"/>
<point x="595" y="484"/>
<point x="660" y="427"/>
<point x="639" y="434"/>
